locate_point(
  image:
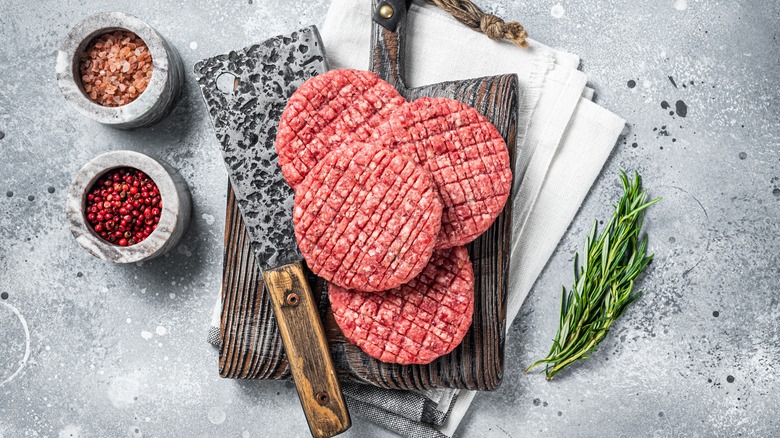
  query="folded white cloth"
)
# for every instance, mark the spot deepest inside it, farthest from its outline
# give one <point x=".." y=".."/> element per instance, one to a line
<point x="563" y="143"/>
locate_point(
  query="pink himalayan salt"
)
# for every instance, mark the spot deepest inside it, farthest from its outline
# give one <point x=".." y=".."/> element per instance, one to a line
<point x="115" y="68"/>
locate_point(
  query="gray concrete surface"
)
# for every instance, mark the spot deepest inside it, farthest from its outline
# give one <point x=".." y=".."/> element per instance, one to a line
<point x="119" y="350"/>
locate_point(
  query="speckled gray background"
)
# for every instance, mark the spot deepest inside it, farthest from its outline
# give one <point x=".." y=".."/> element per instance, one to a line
<point x="119" y="350"/>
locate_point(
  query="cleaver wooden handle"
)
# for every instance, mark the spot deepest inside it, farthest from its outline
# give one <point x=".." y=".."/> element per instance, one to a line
<point x="307" y="350"/>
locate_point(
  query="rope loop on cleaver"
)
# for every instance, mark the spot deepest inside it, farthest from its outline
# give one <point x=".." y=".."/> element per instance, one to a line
<point x="494" y="27"/>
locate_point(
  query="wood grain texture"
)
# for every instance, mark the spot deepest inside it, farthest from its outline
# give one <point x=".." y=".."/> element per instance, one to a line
<point x="253" y="348"/>
<point x="307" y="350"/>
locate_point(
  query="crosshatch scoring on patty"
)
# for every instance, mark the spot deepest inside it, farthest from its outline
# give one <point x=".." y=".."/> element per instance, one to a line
<point x="416" y="322"/>
<point x="466" y="155"/>
<point x="367" y="218"/>
<point x="327" y="111"/>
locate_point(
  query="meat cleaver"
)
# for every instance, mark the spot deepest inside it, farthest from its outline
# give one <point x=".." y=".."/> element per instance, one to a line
<point x="245" y="92"/>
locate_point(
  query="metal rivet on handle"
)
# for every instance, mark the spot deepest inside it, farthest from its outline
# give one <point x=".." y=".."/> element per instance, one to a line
<point x="386" y="12"/>
<point x="292" y="299"/>
<point x="322" y="398"/>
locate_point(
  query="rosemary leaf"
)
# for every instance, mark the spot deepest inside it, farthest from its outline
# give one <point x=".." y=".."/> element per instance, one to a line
<point x="603" y="286"/>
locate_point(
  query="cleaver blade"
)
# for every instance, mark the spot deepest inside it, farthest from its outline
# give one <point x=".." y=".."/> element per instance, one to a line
<point x="246" y="92"/>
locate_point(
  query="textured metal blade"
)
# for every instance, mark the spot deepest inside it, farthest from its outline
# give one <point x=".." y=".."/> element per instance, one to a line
<point x="246" y="119"/>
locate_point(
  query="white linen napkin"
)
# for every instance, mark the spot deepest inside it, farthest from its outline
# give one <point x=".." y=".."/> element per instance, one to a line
<point x="563" y="143"/>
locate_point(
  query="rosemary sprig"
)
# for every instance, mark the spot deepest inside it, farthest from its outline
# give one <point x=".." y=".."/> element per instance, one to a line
<point x="603" y="286"/>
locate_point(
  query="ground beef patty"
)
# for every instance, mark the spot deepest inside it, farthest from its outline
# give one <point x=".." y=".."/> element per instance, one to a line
<point x="416" y="322"/>
<point x="366" y="217"/>
<point x="466" y="155"/>
<point x="325" y="112"/>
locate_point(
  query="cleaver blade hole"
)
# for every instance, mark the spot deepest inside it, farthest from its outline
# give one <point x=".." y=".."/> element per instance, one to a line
<point x="227" y="83"/>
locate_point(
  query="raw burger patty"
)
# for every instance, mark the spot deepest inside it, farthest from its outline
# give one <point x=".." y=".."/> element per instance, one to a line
<point x="466" y="155"/>
<point x="416" y="322"/>
<point x="325" y="112"/>
<point x="366" y="217"/>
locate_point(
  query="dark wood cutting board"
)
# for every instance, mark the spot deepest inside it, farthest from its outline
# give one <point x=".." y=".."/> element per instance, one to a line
<point x="251" y="345"/>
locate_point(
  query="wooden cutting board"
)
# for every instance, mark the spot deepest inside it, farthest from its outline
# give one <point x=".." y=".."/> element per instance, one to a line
<point x="251" y="347"/>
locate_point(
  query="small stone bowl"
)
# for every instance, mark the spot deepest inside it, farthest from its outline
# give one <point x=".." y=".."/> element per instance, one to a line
<point x="174" y="219"/>
<point x="153" y="104"/>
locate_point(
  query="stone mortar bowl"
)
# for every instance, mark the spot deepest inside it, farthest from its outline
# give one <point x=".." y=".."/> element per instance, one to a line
<point x="174" y="219"/>
<point x="153" y="104"/>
